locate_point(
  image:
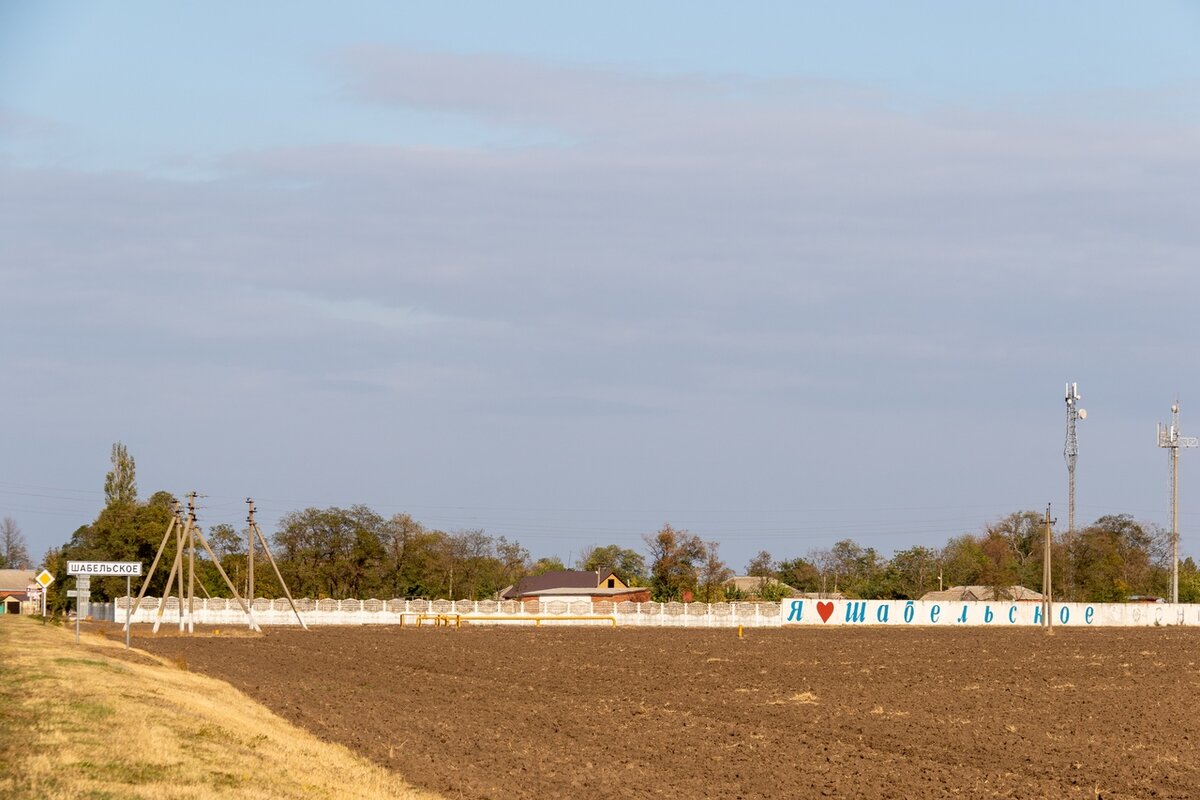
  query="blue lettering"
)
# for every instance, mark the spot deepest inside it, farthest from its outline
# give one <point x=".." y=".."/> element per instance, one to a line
<point x="935" y="612"/>
<point x="1037" y="615"/>
<point x="988" y="616"/>
<point x="1012" y="615"/>
<point x="881" y="613"/>
<point x="797" y="611"/>
<point x="1064" y="615"/>
<point x="909" y="611"/>
<point x="963" y="616"/>
<point x="856" y="612"/>
<point x="1088" y="614"/>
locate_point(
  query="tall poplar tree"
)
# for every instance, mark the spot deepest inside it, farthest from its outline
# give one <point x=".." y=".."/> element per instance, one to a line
<point x="120" y="485"/>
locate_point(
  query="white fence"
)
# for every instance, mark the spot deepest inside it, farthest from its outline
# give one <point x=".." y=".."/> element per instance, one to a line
<point x="218" y="611"/>
<point x="892" y="613"/>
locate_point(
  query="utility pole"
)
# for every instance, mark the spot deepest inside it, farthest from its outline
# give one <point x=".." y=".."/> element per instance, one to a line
<point x="250" y="550"/>
<point x="255" y="532"/>
<point x="1071" y="453"/>
<point x="1170" y="438"/>
<point x="191" y="543"/>
<point x="1047" y="606"/>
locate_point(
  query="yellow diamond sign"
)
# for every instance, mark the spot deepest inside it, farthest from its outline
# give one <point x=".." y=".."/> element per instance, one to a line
<point x="45" y="579"/>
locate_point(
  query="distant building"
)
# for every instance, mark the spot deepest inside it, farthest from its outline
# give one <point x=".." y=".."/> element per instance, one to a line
<point x="752" y="586"/>
<point x="14" y="590"/>
<point x="571" y="584"/>
<point x="985" y="593"/>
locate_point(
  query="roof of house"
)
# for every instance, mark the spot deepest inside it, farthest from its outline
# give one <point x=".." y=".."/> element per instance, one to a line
<point x="557" y="582"/>
<point x="16" y="579"/>
<point x="983" y="593"/>
<point x="753" y="584"/>
<point x="582" y="591"/>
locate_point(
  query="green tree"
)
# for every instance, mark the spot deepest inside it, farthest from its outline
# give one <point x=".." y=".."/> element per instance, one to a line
<point x="629" y="565"/>
<point x="858" y="571"/>
<point x="547" y="564"/>
<point x="912" y="572"/>
<point x="1189" y="581"/>
<point x="962" y="561"/>
<point x="413" y="557"/>
<point x="761" y="566"/>
<point x="333" y="552"/>
<point x="120" y="485"/>
<point x="124" y="531"/>
<point x="673" y="570"/>
<point x="799" y="573"/>
<point x="1023" y="533"/>
<point x="1112" y="559"/>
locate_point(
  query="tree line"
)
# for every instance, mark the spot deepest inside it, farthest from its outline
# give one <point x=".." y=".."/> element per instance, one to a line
<point x="356" y="552"/>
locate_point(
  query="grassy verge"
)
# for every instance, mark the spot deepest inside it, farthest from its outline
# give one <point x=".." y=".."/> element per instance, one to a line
<point x="89" y="721"/>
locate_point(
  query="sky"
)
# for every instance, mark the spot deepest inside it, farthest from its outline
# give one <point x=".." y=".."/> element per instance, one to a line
<point x="779" y="274"/>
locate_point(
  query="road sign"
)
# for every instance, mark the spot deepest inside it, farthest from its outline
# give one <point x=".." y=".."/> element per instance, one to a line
<point x="78" y="593"/>
<point x="104" y="568"/>
<point x="83" y="581"/>
<point x="45" y="579"/>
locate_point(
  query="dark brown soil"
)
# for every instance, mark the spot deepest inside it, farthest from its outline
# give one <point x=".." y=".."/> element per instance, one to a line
<point x="630" y="713"/>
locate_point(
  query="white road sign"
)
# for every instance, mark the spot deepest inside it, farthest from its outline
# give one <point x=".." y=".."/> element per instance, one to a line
<point x="45" y="579"/>
<point x="104" y="569"/>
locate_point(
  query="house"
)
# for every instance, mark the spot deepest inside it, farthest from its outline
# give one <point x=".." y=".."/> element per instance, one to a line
<point x="14" y="590"/>
<point x="752" y="586"/>
<point x="571" y="584"/>
<point x="985" y="593"/>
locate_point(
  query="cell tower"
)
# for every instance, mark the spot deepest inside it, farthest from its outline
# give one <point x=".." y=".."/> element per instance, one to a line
<point x="1168" y="437"/>
<point x="1071" y="452"/>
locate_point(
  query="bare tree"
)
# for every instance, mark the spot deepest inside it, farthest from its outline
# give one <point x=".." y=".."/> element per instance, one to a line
<point x="14" y="553"/>
<point x="826" y="565"/>
<point x="713" y="573"/>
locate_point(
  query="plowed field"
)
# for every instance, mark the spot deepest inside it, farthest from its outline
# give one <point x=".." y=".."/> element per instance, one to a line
<point x="630" y="713"/>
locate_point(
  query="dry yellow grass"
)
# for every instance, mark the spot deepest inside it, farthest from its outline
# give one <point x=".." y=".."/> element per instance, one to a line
<point x="83" y="721"/>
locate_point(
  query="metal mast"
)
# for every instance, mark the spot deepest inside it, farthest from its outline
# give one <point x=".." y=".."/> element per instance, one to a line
<point x="1168" y="437"/>
<point x="1071" y="454"/>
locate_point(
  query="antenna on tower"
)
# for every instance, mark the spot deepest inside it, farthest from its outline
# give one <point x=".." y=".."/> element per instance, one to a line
<point x="1169" y="437"/>
<point x="1071" y="454"/>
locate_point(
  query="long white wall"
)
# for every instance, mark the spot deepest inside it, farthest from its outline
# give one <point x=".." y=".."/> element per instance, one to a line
<point x="893" y="613"/>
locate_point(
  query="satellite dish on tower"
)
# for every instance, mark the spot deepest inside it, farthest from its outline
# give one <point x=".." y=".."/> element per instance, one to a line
<point x="1083" y="413"/>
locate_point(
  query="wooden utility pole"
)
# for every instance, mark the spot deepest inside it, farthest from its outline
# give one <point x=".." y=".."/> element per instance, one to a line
<point x="176" y="569"/>
<point x="253" y="533"/>
<point x="1047" y="604"/>
<point x="250" y="546"/>
<point x="154" y="564"/>
<point x="191" y="562"/>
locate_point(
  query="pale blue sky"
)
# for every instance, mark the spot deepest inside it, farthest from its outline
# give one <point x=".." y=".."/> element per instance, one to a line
<point x="779" y="273"/>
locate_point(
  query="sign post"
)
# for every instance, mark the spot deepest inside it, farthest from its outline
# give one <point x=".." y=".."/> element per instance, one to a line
<point x="44" y="579"/>
<point x="83" y="572"/>
<point x="83" y="589"/>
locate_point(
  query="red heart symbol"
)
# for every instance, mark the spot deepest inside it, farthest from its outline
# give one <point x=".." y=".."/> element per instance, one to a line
<point x="825" y="611"/>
